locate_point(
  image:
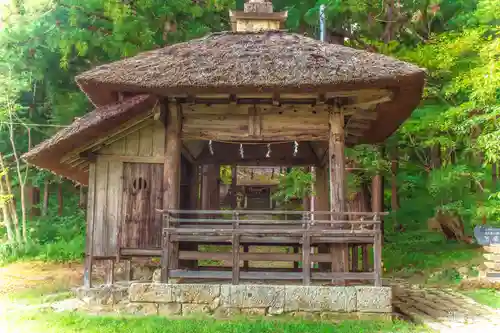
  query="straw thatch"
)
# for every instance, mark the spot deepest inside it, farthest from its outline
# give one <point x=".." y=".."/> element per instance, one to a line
<point x="249" y="62"/>
<point x="48" y="154"/>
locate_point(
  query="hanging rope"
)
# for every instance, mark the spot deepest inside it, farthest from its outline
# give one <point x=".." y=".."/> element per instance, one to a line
<point x="268" y="154"/>
<point x="295" y="148"/>
<point x="253" y="143"/>
<point x="210" y="148"/>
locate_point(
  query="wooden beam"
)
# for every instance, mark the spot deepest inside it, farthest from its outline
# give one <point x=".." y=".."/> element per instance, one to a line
<point x="358" y="123"/>
<point x="187" y="154"/>
<point x="133" y="159"/>
<point x="278" y="98"/>
<point x="226" y="160"/>
<point x="218" y="135"/>
<point x="364" y="115"/>
<point x="249" y="256"/>
<point x="369" y="103"/>
<point x="281" y="154"/>
<point x="263" y="275"/>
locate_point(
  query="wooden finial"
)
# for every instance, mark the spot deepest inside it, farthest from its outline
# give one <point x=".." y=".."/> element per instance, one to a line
<point x="258" y="6"/>
<point x="257" y="16"/>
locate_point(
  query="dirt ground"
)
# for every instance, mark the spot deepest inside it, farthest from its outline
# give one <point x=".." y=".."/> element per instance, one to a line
<point x="27" y="276"/>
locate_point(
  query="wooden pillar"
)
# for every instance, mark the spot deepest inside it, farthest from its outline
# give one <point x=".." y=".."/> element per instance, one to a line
<point x="205" y="188"/>
<point x="194" y="186"/>
<point x="171" y="178"/>
<point x="377" y="246"/>
<point x="210" y="187"/>
<point x="295" y="263"/>
<point x="336" y="156"/>
<point x="234" y="183"/>
<point x="321" y="204"/>
<point x="89" y="234"/>
<point x="109" y="272"/>
<point x="59" y="200"/>
<point x="46" y="192"/>
<point x="82" y="199"/>
<point x="215" y="195"/>
<point x="192" y="202"/>
<point x="377" y="199"/>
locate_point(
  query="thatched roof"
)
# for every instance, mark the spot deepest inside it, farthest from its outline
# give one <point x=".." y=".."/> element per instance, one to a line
<point x="48" y="154"/>
<point x="272" y="61"/>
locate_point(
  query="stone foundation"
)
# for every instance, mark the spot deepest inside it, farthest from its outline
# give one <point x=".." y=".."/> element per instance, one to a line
<point x="223" y="300"/>
<point x="103" y="295"/>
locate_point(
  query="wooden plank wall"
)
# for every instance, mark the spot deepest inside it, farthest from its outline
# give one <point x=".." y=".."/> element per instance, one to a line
<point x="149" y="141"/>
<point x="108" y="195"/>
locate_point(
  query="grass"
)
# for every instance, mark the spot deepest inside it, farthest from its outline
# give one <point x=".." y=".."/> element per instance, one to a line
<point x="489" y="297"/>
<point x="74" y="322"/>
<point x="408" y="253"/>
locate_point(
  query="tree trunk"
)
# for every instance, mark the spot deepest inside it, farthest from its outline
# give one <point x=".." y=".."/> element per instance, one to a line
<point x="10" y="204"/>
<point x="5" y="214"/>
<point x="388" y="31"/>
<point x="436" y="156"/>
<point x="22" y="181"/>
<point x="494" y="176"/>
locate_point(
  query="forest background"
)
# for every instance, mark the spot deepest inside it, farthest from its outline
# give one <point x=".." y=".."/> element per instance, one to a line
<point x="443" y="159"/>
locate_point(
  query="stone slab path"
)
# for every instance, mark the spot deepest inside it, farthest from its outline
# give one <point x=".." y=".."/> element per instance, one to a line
<point x="445" y="310"/>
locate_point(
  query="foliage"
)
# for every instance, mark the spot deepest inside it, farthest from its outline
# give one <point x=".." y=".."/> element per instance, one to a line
<point x="417" y="251"/>
<point x="51" y="238"/>
<point x="295" y="184"/>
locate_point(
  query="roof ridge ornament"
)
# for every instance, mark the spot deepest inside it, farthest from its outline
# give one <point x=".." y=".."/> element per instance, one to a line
<point x="258" y="6"/>
<point x="257" y="16"/>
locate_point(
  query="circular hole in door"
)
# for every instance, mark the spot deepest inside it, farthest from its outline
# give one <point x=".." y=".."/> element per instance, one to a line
<point x="139" y="184"/>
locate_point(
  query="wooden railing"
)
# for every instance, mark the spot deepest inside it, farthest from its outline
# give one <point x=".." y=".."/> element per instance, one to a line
<point x="277" y="228"/>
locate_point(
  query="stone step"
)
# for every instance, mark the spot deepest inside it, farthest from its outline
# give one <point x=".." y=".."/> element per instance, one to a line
<point x="442" y="309"/>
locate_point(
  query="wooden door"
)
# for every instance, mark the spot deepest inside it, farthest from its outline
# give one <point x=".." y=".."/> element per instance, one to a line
<point x="142" y="195"/>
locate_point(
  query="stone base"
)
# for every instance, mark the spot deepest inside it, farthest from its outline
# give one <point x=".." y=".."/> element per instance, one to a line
<point x="102" y="295"/>
<point x="226" y="300"/>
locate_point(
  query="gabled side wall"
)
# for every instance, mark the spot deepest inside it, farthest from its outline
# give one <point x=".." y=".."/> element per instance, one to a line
<point x="106" y="207"/>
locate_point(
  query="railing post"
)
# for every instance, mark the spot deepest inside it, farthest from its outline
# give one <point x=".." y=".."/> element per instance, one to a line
<point x="355" y="257"/>
<point x="377" y="252"/>
<point x="165" y="254"/>
<point x="236" y="250"/>
<point x="306" y="251"/>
